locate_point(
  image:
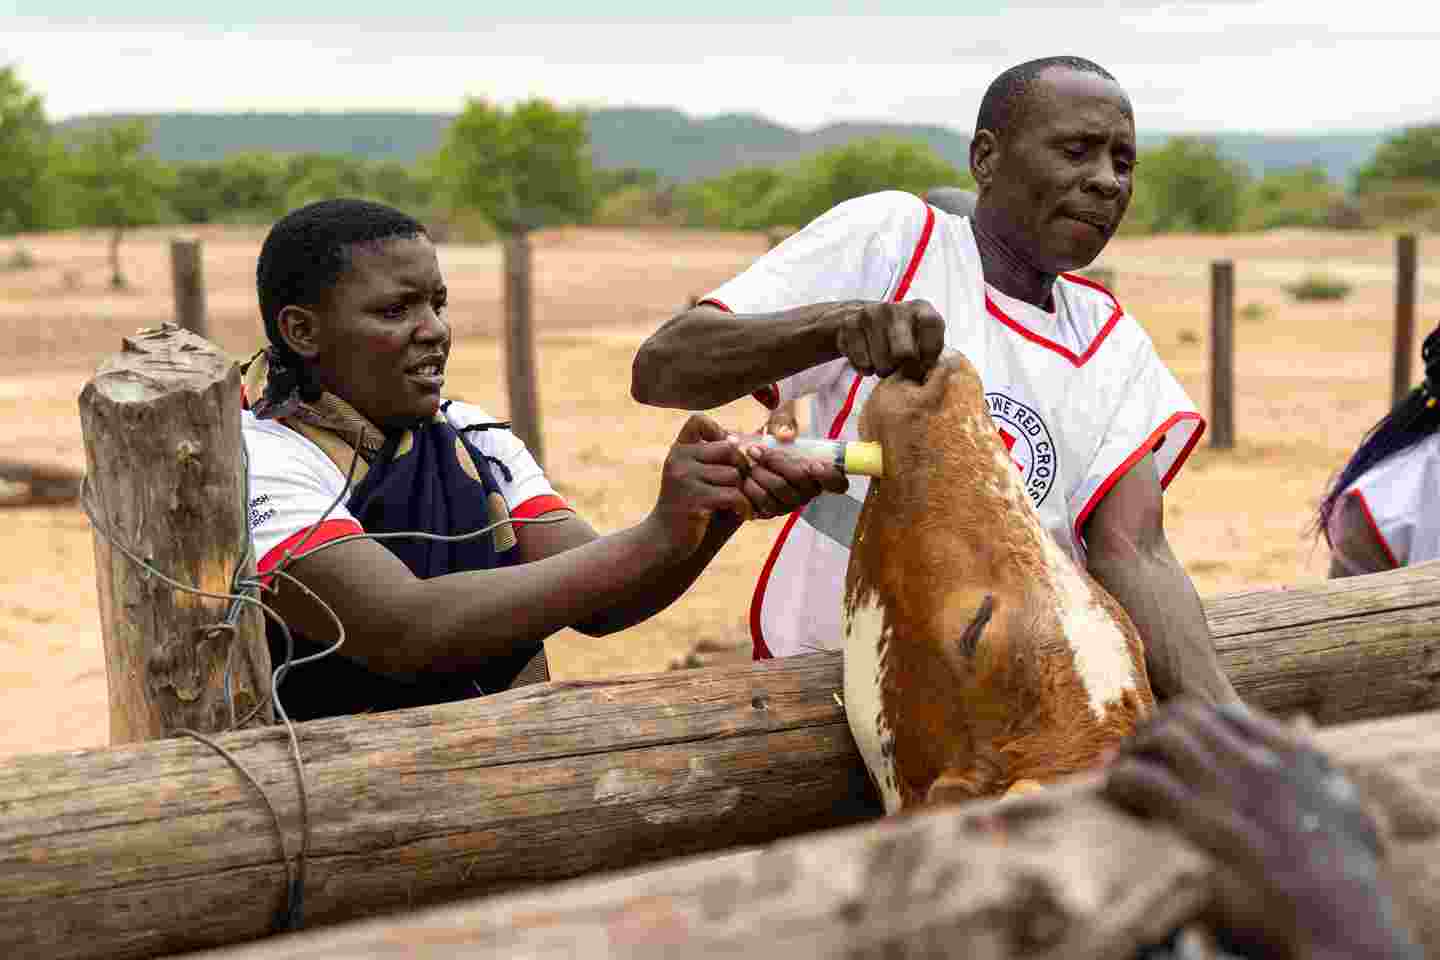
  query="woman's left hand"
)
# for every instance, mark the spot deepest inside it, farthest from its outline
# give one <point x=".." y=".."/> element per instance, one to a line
<point x="778" y="482"/>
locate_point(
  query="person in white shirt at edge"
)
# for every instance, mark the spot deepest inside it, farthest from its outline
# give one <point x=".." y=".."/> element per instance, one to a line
<point x="1095" y="422"/>
<point x="1383" y="509"/>
<point x="354" y="304"/>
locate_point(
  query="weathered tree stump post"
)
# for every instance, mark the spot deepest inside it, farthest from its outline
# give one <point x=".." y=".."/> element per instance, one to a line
<point x="520" y="343"/>
<point x="165" y="478"/>
<point x="1222" y="354"/>
<point x="189" y="283"/>
<point x="1404" y="316"/>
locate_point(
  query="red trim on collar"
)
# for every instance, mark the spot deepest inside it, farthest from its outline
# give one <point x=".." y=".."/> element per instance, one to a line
<point x="1035" y="338"/>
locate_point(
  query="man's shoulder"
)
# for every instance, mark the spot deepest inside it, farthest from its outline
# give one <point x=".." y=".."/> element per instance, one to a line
<point x="883" y="211"/>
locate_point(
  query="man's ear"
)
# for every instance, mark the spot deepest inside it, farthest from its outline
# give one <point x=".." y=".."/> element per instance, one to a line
<point x="299" y="328"/>
<point x="984" y="156"/>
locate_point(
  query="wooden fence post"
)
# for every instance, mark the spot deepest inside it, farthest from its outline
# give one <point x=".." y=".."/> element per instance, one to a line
<point x="165" y="479"/>
<point x="1404" y="316"/>
<point x="520" y="343"/>
<point x="1222" y="354"/>
<point x="189" y="283"/>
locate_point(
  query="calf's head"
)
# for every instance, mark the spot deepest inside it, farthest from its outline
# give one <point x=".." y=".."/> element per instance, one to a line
<point x="978" y="655"/>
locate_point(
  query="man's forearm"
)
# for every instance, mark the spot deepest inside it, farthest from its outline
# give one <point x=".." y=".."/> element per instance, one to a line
<point x="1161" y="601"/>
<point x="705" y="357"/>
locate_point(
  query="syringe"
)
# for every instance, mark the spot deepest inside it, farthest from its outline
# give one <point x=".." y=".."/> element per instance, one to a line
<point x="862" y="457"/>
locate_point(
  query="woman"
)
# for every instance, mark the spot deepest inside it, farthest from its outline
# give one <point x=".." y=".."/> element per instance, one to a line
<point x="347" y="432"/>
<point x="1383" y="511"/>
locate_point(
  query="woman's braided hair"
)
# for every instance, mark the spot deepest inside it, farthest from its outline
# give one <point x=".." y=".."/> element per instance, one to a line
<point x="1413" y="419"/>
<point x="302" y="259"/>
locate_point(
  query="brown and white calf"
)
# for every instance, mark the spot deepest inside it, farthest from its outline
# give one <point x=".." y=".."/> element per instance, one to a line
<point x="979" y="658"/>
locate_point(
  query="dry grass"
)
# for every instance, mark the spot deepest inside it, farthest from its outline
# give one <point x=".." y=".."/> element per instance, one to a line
<point x="1310" y="379"/>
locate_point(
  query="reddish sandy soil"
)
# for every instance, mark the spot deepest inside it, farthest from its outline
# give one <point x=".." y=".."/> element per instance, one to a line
<point x="1310" y="379"/>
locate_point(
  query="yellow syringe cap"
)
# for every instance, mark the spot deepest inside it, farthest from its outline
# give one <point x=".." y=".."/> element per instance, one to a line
<point x="865" y="458"/>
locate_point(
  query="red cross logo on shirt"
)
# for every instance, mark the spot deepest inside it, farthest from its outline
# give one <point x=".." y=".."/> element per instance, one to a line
<point x="1008" y="439"/>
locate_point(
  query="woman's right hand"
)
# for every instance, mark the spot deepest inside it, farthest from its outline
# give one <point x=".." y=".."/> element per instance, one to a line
<point x="710" y="478"/>
<point x="703" y="476"/>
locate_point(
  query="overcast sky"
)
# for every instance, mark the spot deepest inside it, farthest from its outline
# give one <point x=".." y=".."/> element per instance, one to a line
<point x="1270" y="65"/>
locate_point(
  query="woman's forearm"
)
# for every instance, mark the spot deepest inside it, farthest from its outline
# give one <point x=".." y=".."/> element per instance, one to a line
<point x="654" y="596"/>
<point x="461" y="620"/>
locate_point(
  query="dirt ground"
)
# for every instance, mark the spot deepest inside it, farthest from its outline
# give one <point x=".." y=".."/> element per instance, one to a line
<point x="1310" y="379"/>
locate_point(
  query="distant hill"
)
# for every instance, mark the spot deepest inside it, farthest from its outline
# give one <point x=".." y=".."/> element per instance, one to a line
<point x="679" y="146"/>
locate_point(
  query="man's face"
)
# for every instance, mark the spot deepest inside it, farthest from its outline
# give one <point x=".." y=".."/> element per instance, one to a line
<point x="1062" y="177"/>
<point x="383" y="340"/>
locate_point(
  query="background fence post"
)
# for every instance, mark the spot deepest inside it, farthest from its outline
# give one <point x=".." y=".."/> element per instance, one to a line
<point x="189" y="283"/>
<point x="520" y="343"/>
<point x="1222" y="354"/>
<point x="1404" y="316"/>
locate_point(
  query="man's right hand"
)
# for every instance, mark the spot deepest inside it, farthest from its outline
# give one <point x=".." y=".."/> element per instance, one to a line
<point x="880" y="338"/>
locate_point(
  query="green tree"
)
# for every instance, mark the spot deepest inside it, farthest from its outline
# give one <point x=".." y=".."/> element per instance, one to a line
<point x="855" y="169"/>
<point x="408" y="188"/>
<point x="1412" y="155"/>
<point x="736" y="201"/>
<point x="1187" y="185"/>
<point x="112" y="182"/>
<point x="242" y="188"/>
<point x="1294" y="197"/>
<point x="520" y="168"/>
<point x="323" y="176"/>
<point x="26" y="153"/>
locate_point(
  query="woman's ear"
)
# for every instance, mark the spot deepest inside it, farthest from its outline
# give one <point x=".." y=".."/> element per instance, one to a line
<point x="300" y="331"/>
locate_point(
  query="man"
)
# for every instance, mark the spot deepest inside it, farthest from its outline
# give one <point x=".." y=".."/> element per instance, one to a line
<point x="347" y="432"/>
<point x="1095" y="422"/>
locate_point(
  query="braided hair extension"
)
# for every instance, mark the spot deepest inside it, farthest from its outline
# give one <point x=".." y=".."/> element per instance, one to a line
<point x="1414" y="418"/>
<point x="304" y="256"/>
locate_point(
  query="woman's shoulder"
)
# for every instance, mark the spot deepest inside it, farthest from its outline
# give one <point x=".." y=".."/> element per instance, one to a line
<point x="460" y="414"/>
<point x="488" y="433"/>
<point x="273" y="447"/>
<point x="1413" y="466"/>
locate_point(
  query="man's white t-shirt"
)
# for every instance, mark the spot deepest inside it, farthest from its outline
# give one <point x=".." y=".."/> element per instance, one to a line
<point x="1400" y="497"/>
<point x="293" y="482"/>
<point x="1078" y="394"/>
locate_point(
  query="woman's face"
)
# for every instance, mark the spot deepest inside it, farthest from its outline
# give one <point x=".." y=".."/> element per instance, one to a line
<point x="382" y="339"/>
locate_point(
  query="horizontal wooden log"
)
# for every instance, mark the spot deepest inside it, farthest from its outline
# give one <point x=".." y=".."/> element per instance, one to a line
<point x="151" y="849"/>
<point x="1055" y="874"/>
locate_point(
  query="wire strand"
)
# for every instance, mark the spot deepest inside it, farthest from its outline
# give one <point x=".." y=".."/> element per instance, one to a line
<point x="242" y="592"/>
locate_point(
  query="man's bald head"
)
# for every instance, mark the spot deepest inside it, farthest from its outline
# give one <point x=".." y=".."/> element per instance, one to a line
<point x="1006" y="99"/>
